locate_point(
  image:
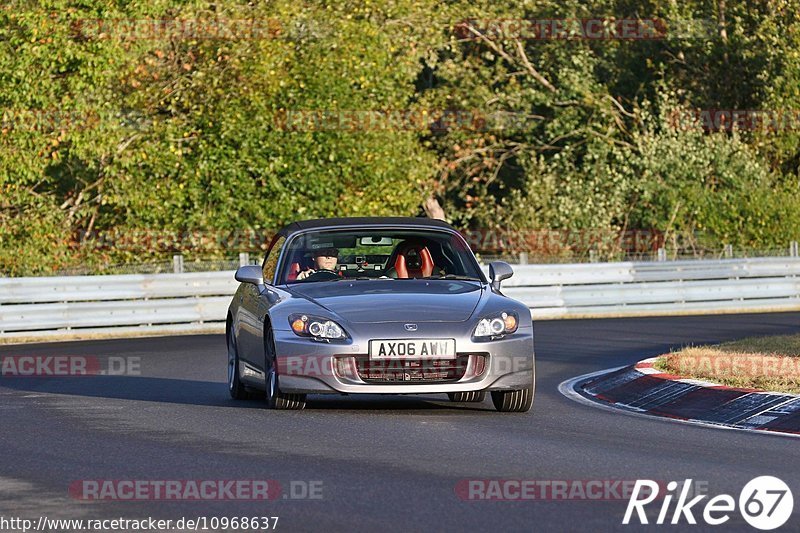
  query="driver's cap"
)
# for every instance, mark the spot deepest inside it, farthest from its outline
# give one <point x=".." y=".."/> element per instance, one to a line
<point x="328" y="252"/>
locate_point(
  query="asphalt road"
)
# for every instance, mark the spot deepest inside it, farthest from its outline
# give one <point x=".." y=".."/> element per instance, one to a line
<point x="380" y="463"/>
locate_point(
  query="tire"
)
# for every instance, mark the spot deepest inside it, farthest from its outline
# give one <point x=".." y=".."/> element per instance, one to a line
<point x="467" y="397"/>
<point x="235" y="386"/>
<point x="275" y="398"/>
<point x="513" y="401"/>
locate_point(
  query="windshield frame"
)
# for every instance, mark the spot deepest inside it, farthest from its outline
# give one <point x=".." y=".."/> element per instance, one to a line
<point x="300" y="234"/>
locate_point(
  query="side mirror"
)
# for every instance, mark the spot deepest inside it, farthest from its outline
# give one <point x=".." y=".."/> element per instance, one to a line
<point x="250" y="274"/>
<point x="498" y="271"/>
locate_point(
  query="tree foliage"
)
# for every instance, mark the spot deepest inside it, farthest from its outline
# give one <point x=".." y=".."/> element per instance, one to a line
<point x="242" y="123"/>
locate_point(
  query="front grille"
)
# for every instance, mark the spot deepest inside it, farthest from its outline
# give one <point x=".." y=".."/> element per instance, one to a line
<point x="416" y="370"/>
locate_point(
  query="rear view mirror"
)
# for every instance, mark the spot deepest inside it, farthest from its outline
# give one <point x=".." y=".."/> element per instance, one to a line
<point x="375" y="241"/>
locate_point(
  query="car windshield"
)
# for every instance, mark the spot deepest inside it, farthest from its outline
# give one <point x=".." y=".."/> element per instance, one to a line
<point x="366" y="254"/>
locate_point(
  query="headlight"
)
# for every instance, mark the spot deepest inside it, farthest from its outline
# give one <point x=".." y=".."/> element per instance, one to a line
<point x="317" y="327"/>
<point x="496" y="326"/>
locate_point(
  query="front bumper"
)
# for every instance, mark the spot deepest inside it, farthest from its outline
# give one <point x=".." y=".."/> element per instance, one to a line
<point x="309" y="367"/>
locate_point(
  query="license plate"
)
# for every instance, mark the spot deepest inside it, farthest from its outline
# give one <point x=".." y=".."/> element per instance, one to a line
<point x="412" y="349"/>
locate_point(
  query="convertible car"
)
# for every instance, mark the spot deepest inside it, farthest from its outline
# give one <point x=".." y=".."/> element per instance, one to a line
<point x="377" y="306"/>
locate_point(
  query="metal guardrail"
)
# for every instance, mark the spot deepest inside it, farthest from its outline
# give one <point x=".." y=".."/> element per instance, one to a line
<point x="139" y="303"/>
<point x="150" y="303"/>
<point x="654" y="288"/>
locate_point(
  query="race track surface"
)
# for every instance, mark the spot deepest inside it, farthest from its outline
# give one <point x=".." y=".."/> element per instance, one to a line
<point x="383" y="463"/>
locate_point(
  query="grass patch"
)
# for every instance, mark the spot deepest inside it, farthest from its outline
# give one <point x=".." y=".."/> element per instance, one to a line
<point x="763" y="363"/>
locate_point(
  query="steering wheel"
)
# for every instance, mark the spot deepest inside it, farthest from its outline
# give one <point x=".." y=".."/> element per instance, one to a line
<point x="322" y="275"/>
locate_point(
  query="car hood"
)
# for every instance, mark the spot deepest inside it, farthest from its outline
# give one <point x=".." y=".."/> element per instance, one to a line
<point x="394" y="300"/>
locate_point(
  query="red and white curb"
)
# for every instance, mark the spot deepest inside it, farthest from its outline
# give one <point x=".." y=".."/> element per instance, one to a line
<point x="645" y="390"/>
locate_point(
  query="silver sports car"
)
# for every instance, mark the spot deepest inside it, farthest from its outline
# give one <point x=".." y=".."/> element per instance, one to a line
<point x="377" y="306"/>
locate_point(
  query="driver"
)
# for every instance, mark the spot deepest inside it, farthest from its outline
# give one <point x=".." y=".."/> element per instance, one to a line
<point x="325" y="259"/>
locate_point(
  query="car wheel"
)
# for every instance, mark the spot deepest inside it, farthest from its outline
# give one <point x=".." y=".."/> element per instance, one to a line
<point x="513" y="401"/>
<point x="275" y="398"/>
<point x="235" y="386"/>
<point x="465" y="397"/>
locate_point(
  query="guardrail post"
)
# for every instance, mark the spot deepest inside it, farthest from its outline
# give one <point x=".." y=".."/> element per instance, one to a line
<point x="177" y="264"/>
<point x="592" y="256"/>
<point x="728" y="250"/>
<point x="794" y="249"/>
<point x="523" y="258"/>
<point x="244" y="258"/>
<point x="661" y="254"/>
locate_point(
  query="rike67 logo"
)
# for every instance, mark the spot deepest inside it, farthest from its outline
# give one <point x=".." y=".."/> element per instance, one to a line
<point x="765" y="503"/>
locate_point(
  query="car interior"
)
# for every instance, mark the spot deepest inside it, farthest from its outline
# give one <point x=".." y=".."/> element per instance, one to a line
<point x="385" y="255"/>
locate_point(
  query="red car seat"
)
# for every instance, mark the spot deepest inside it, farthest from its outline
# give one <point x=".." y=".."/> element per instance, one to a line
<point x="294" y="270"/>
<point x="413" y="260"/>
